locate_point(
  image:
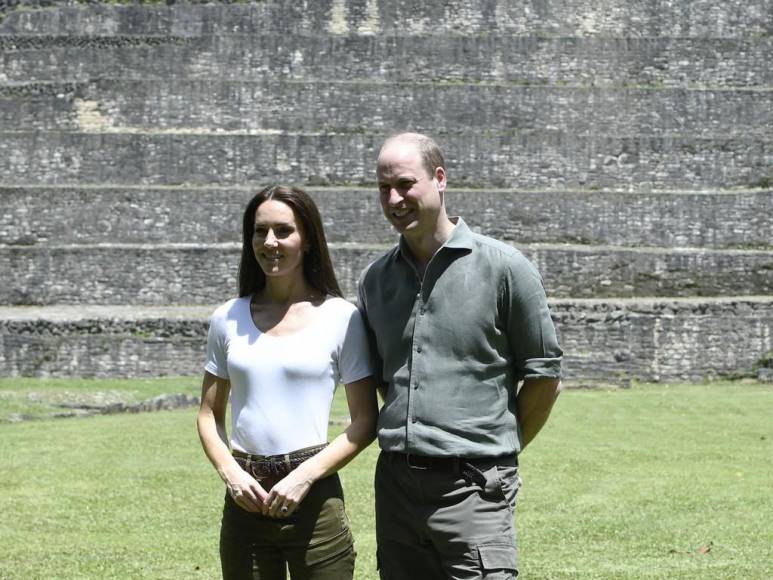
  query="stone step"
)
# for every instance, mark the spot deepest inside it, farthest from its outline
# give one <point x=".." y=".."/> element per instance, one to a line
<point x="709" y="18"/>
<point x="480" y="159"/>
<point x="178" y="105"/>
<point x="603" y="340"/>
<point x="575" y="60"/>
<point x="157" y="274"/>
<point x="718" y="220"/>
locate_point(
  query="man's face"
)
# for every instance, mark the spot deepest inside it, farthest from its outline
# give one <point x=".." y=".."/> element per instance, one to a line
<point x="411" y="199"/>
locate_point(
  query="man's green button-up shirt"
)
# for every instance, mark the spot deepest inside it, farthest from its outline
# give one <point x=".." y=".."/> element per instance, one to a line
<point x="453" y="345"/>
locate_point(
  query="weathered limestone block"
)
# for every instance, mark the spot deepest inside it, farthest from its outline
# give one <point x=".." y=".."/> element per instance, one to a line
<point x="663" y="339"/>
<point x="645" y="18"/>
<point x="203" y="274"/>
<point x="718" y="220"/>
<point x="604" y="341"/>
<point x="190" y="106"/>
<point x="544" y="160"/>
<point x="585" y="61"/>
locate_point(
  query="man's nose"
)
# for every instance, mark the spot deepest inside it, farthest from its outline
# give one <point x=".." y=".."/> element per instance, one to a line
<point x="394" y="197"/>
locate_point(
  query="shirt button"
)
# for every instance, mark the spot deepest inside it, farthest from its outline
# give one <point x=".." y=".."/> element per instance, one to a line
<point x="416" y="386"/>
<point x="413" y="420"/>
<point x="422" y="311"/>
<point x="418" y="349"/>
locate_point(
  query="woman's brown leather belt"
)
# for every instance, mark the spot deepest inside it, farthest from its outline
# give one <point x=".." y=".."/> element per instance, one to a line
<point x="274" y="467"/>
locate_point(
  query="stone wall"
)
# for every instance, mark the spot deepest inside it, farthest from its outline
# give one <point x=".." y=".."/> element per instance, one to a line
<point x="144" y="215"/>
<point x="513" y="160"/>
<point x="203" y="274"/>
<point x="624" y="147"/>
<point x="263" y="106"/>
<point x="613" y="341"/>
<point x="658" y="61"/>
<point x="540" y="18"/>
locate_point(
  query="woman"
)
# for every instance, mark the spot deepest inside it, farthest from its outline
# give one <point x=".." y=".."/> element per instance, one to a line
<point x="279" y="350"/>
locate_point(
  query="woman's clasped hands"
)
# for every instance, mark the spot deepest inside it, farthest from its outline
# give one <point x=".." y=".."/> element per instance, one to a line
<point x="279" y="502"/>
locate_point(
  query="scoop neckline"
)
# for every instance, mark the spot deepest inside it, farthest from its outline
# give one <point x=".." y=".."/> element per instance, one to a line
<point x="305" y="328"/>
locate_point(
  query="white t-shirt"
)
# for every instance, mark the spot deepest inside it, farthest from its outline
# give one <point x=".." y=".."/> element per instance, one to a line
<point x="282" y="386"/>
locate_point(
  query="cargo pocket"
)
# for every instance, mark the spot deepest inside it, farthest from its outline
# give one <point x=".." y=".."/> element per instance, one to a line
<point x="498" y="561"/>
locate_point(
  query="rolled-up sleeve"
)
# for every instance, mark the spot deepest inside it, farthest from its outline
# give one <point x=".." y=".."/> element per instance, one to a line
<point x="531" y="332"/>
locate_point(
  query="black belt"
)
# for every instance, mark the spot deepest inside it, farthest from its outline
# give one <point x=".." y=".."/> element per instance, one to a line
<point x="449" y="463"/>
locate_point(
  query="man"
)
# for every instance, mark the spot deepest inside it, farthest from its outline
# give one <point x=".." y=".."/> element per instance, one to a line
<point x="457" y="320"/>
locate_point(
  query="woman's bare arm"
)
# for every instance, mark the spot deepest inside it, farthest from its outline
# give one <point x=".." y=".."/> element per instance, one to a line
<point x="244" y="489"/>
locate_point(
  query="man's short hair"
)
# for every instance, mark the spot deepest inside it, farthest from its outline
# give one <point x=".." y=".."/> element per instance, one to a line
<point x="429" y="150"/>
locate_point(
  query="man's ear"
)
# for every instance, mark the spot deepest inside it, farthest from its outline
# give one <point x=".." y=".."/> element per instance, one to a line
<point x="440" y="179"/>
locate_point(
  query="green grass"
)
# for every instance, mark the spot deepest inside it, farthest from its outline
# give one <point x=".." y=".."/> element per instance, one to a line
<point x="621" y="484"/>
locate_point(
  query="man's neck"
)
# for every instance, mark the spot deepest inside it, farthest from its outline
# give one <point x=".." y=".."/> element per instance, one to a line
<point x="424" y="247"/>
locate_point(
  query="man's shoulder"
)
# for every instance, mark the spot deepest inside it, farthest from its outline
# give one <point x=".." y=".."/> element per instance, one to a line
<point x="496" y="249"/>
<point x="380" y="264"/>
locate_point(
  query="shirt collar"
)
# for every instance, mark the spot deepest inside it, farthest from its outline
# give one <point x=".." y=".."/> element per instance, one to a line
<point x="461" y="239"/>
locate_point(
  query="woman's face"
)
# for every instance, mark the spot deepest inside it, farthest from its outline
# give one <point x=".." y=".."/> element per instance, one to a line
<point x="278" y="242"/>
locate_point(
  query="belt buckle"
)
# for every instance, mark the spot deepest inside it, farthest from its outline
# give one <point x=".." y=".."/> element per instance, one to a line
<point x="408" y="457"/>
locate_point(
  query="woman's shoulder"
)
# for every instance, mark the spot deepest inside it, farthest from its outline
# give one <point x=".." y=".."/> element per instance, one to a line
<point x="232" y="308"/>
<point x="338" y="305"/>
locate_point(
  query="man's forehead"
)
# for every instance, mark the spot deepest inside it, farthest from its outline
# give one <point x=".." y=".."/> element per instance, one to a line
<point x="399" y="157"/>
<point x="397" y="171"/>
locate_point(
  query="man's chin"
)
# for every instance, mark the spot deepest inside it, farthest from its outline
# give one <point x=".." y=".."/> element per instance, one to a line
<point x="404" y="227"/>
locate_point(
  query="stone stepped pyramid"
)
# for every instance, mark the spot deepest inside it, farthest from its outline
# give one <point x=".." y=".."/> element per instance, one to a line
<point x="625" y="148"/>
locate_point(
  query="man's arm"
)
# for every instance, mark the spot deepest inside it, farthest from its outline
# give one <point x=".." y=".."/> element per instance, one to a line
<point x="535" y="349"/>
<point x="378" y="365"/>
<point x="533" y="404"/>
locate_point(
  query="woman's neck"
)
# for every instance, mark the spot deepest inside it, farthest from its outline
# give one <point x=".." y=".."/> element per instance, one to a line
<point x="282" y="290"/>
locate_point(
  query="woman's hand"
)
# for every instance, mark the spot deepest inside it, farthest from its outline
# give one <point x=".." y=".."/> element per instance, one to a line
<point x="284" y="497"/>
<point x="245" y="490"/>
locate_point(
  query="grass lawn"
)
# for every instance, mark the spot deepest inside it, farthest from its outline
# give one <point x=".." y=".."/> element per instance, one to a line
<point x="648" y="482"/>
